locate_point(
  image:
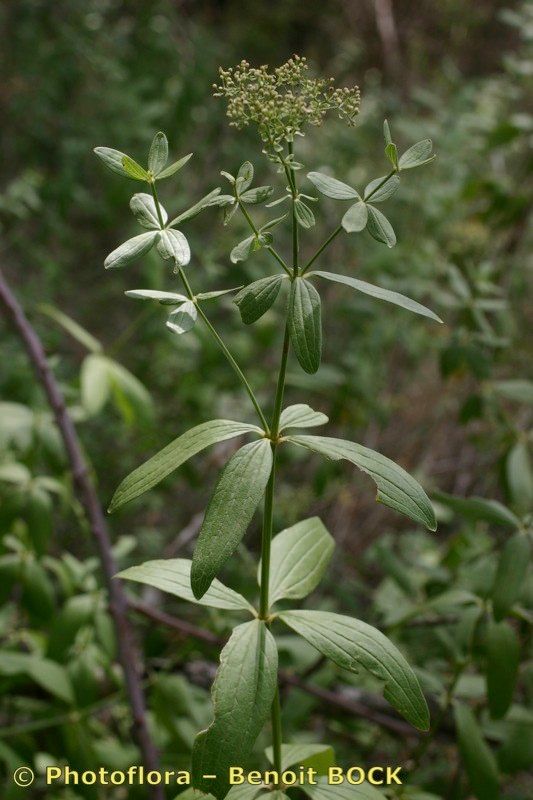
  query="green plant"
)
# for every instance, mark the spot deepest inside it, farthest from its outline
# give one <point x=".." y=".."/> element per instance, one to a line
<point x="281" y="104"/>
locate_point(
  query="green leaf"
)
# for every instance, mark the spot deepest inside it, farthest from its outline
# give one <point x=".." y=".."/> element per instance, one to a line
<point x="172" y="168"/>
<point x="134" y="170"/>
<point x="479" y="509"/>
<point x="381" y="294"/>
<point x="112" y="159"/>
<point x="239" y="489"/>
<point x="94" y="383"/>
<point x="418" y="154"/>
<point x="258" y="195"/>
<point x="144" y="209"/>
<point x="503" y="656"/>
<point x="386" y="188"/>
<point x="391" y="151"/>
<point x="46" y="673"/>
<point x="131" y="250"/>
<point x="351" y="644"/>
<point x="158" y="155"/>
<point x="299" y="557"/>
<point x="183" y="318"/>
<point x="356" y="218"/>
<point x="510" y="574"/>
<point x="175" y="454"/>
<point x="255" y="299"/>
<point x="173" y="245"/>
<point x="317" y="756"/>
<point x="323" y="790"/>
<point x="173" y="576"/>
<point x="386" y="132"/>
<point x="242" y="250"/>
<point x="478" y="759"/>
<point x="301" y="416"/>
<point x="379" y="227"/>
<point x="520" y="476"/>
<point x="332" y="187"/>
<point x="72" y="327"/>
<point x="304" y="215"/>
<point x="396" y="488"/>
<point x="305" y="324"/>
<point x="129" y="393"/>
<point x="217" y="293"/>
<point x="164" y="298"/>
<point x="242" y="697"/>
<point x="519" y="390"/>
<point x="245" y="176"/>
<point x="211" y="199"/>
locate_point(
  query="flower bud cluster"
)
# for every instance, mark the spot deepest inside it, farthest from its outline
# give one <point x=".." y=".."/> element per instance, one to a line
<point x="281" y="102"/>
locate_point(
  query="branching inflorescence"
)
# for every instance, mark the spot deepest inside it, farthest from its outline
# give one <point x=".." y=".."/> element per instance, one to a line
<point x="280" y="104"/>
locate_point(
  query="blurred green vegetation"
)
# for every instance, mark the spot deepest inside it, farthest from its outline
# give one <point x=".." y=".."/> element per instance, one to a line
<point x="453" y="405"/>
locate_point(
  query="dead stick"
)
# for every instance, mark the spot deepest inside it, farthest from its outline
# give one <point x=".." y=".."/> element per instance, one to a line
<point x="128" y="654"/>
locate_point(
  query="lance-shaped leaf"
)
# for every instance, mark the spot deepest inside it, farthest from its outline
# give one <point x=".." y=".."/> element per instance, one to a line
<point x="130" y="250"/>
<point x="519" y="390"/>
<point x="418" y="154"/>
<point x="382" y="188"/>
<point x="174" y="245"/>
<point x="379" y="226"/>
<point x="173" y="576"/>
<point x="356" y="218"/>
<point x="112" y="159"/>
<point x="242" y="696"/>
<point x="211" y="199"/>
<point x="183" y="318"/>
<point x="301" y="416"/>
<point x="257" y="195"/>
<point x="255" y="299"/>
<point x="510" y="574"/>
<point x="158" y="155"/>
<point x="164" y="298"/>
<point x="216" y="293"/>
<point x="170" y="170"/>
<point x="396" y="488"/>
<point x="145" y="211"/>
<point x="134" y="170"/>
<point x="479" y="761"/>
<point x="175" y="454"/>
<point x="304" y="215"/>
<point x="305" y="325"/>
<point x="323" y="790"/>
<point x="352" y="644"/>
<point x="299" y="557"/>
<point x="237" y="494"/>
<point x="331" y="187"/>
<point x="477" y="508"/>
<point x="317" y="756"/>
<point x="379" y="293"/>
<point x="503" y="656"/>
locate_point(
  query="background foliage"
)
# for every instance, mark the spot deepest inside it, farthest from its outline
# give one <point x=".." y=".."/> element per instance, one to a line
<point x="452" y="405"/>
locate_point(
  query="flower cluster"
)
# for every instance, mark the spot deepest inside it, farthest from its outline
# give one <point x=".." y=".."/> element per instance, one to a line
<point x="283" y="101"/>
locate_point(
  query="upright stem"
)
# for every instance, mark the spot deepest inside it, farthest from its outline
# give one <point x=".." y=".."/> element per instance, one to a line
<point x="266" y="539"/>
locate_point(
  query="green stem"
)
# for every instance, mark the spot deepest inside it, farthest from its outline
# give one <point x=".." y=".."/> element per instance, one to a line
<point x="157" y="204"/>
<point x="216" y="336"/>
<point x="322" y="248"/>
<point x="256" y="231"/>
<point x="266" y="538"/>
